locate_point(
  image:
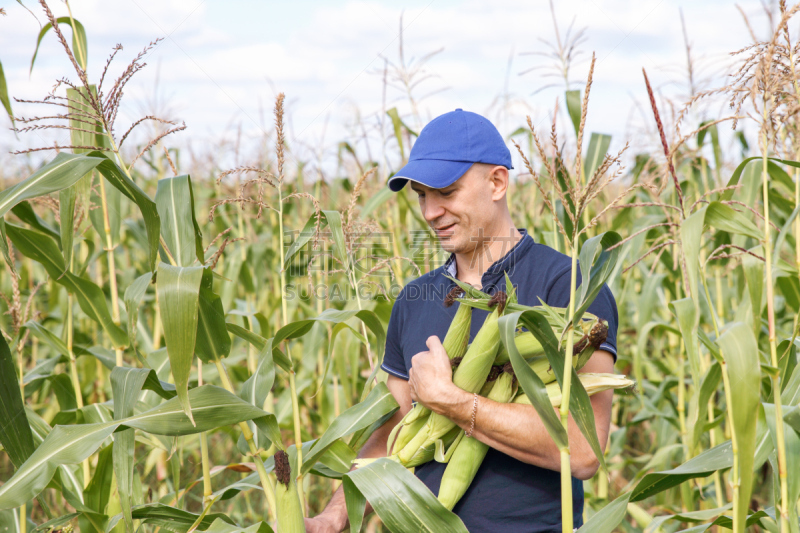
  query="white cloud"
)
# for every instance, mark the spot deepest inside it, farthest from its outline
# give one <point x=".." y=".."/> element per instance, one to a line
<point x="217" y="61"/>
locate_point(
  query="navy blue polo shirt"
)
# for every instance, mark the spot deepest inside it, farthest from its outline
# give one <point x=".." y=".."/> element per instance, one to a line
<point x="506" y="495"/>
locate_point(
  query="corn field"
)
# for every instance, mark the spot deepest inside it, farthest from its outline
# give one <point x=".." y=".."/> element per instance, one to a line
<point x="201" y="352"/>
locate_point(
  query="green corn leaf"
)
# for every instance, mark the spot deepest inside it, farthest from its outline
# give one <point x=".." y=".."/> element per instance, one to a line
<point x="691" y="232"/>
<point x="580" y="404"/>
<point x="98" y="491"/>
<point x="170" y="518"/>
<point x="268" y="427"/>
<point x="4" y="96"/>
<point x="598" y="147"/>
<point x="698" y="410"/>
<point x="179" y="228"/>
<point x="692" y="516"/>
<point x="596" y="264"/>
<point x="120" y="180"/>
<point x="91" y="299"/>
<point x="15" y="431"/>
<point x="87" y="131"/>
<point x="725" y="218"/>
<point x="66" y="211"/>
<point x="737" y="174"/>
<point x="126" y="384"/>
<point x="63" y="171"/>
<point x="65" y="393"/>
<point x="703" y="465"/>
<point x="355" y="502"/>
<point x="79" y="47"/>
<point x="24" y="211"/>
<point x="792" y="417"/>
<point x="63" y="445"/>
<point x="212" y="407"/>
<point x="178" y="295"/>
<point x="792" y="443"/>
<point x="55" y="523"/>
<point x="115" y="216"/>
<point x="648" y="299"/>
<point x="573" y="99"/>
<point x="686" y="313"/>
<point x="4" y="247"/>
<point x="258" y="385"/>
<point x="531" y="384"/>
<point x="339" y="458"/>
<point x="401" y="500"/>
<point x="609" y="517"/>
<point x="334" y="219"/>
<point x="133" y="297"/>
<point x="398" y="125"/>
<point x="378" y="404"/>
<point x="305" y="235"/>
<point x="740" y="350"/>
<point x="260" y="343"/>
<point x="376" y="201"/>
<point x="753" y="269"/>
<point x="213" y="339"/>
<point x="221" y="526"/>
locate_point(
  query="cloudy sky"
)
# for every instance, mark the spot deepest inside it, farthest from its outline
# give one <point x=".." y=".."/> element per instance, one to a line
<point x="220" y="64"/>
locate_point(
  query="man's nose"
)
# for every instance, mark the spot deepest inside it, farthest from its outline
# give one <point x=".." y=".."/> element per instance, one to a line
<point x="433" y="208"/>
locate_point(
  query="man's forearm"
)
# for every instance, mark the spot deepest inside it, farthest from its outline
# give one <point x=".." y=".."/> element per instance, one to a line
<point x="518" y="431"/>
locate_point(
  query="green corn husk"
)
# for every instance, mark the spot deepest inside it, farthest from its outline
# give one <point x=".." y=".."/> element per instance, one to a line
<point x="469" y="376"/>
<point x="455" y="345"/>
<point x="428" y="453"/>
<point x="287" y="500"/>
<point x="592" y="382"/>
<point x="405" y="432"/>
<point x="470" y="452"/>
<point x="527" y="346"/>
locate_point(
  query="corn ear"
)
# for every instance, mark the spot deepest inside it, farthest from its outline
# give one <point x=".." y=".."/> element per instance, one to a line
<point x="527" y="346"/>
<point x="455" y="345"/>
<point x="406" y="433"/>
<point x="442" y="453"/>
<point x="457" y="338"/>
<point x="287" y="500"/>
<point x="470" y="452"/>
<point x="469" y="376"/>
<point x="592" y="382"/>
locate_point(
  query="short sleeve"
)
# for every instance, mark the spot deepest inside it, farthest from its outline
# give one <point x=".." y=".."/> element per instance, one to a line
<point x="604" y="306"/>
<point x="393" y="361"/>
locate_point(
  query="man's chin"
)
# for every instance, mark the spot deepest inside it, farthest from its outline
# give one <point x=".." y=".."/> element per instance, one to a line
<point x="450" y="245"/>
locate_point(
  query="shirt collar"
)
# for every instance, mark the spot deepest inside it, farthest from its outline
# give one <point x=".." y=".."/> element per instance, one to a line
<point x="504" y="264"/>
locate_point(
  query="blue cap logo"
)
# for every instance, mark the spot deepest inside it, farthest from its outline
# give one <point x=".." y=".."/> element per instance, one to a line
<point x="448" y="146"/>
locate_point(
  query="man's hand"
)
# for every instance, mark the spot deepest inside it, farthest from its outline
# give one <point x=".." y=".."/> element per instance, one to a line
<point x="321" y="524"/>
<point x="430" y="378"/>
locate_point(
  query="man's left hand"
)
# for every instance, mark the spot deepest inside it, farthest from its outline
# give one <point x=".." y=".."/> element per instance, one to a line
<point x="430" y="378"/>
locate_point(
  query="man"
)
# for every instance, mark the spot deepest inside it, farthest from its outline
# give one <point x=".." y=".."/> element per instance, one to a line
<point x="459" y="169"/>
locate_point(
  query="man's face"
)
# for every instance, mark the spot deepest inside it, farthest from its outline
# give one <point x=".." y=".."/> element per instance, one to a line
<point x="461" y="214"/>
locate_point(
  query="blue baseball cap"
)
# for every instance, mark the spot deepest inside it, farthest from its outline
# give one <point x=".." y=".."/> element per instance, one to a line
<point x="448" y="146"/>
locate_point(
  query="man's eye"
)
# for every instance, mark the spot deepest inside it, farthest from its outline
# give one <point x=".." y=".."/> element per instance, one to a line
<point x="447" y="193"/>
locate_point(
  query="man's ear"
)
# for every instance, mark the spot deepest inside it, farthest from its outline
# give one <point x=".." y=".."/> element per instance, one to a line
<point x="498" y="177"/>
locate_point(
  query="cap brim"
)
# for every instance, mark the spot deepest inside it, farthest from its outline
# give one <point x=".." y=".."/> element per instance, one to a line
<point x="434" y="173"/>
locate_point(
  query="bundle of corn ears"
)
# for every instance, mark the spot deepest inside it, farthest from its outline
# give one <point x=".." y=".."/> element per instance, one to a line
<point x="483" y="367"/>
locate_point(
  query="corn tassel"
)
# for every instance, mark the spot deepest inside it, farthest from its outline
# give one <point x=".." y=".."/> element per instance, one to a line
<point x="288" y="509"/>
<point x="468" y="456"/>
